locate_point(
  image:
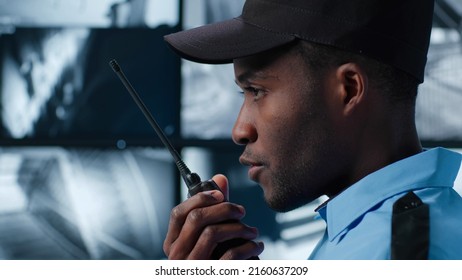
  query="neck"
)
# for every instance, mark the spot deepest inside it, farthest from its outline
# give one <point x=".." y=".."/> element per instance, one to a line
<point x="375" y="142"/>
<point x="386" y="139"/>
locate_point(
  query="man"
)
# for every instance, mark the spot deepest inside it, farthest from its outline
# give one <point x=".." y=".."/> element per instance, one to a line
<point x="330" y="88"/>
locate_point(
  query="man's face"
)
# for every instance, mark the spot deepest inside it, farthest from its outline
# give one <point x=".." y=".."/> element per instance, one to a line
<point x="286" y="129"/>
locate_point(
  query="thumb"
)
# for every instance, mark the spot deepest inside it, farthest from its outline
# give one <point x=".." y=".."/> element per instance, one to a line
<point x="222" y="183"/>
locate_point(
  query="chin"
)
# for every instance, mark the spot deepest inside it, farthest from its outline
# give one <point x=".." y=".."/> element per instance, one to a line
<point x="282" y="208"/>
<point x="284" y="204"/>
<point x="285" y="201"/>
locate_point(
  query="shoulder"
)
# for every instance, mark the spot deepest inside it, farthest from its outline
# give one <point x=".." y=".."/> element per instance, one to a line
<point x="445" y="206"/>
<point x="445" y="216"/>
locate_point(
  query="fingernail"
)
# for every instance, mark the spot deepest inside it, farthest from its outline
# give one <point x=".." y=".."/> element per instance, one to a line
<point x="217" y="195"/>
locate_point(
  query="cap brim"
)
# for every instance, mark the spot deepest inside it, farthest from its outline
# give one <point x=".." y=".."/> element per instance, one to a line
<point x="221" y="42"/>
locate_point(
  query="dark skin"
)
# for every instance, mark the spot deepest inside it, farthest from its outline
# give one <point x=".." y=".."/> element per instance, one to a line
<point x="302" y="138"/>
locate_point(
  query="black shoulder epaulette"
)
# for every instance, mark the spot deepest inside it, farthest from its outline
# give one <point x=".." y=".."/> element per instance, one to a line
<point x="410" y="229"/>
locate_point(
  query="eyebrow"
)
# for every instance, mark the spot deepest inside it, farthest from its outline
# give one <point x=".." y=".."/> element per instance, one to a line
<point x="251" y="75"/>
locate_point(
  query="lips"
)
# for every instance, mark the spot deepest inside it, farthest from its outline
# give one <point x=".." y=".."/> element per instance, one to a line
<point x="254" y="172"/>
<point x="255" y="168"/>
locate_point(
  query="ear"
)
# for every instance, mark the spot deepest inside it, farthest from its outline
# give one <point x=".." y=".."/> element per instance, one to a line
<point x="352" y="84"/>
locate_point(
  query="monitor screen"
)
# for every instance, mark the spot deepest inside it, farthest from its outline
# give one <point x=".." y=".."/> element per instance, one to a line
<point x="440" y="96"/>
<point x="57" y="86"/>
<point x="438" y="102"/>
<point x="84" y="203"/>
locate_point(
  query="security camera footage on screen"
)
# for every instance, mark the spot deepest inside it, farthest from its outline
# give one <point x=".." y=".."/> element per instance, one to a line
<point x="84" y="203"/>
<point x="57" y="85"/>
<point x="439" y="101"/>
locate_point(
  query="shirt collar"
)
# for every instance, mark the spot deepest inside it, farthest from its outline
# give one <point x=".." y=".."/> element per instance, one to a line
<point x="411" y="173"/>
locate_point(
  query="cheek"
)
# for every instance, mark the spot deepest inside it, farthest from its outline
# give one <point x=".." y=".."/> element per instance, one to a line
<point x="298" y="134"/>
<point x="277" y="123"/>
<point x="282" y="131"/>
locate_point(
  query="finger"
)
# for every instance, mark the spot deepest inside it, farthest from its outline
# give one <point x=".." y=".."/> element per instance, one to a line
<point x="179" y="214"/>
<point x="214" y="235"/>
<point x="222" y="183"/>
<point x="248" y="250"/>
<point x="200" y="218"/>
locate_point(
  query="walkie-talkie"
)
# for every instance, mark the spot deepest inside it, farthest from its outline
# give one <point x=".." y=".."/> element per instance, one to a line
<point x="192" y="180"/>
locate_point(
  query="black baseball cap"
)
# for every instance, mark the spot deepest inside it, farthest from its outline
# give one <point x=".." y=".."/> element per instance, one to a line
<point x="395" y="32"/>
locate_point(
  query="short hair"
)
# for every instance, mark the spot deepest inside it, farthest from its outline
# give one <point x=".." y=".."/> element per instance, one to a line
<point x="397" y="85"/>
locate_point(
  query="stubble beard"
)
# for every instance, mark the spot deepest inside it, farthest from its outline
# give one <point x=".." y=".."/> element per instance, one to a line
<point x="290" y="188"/>
<point x="306" y="177"/>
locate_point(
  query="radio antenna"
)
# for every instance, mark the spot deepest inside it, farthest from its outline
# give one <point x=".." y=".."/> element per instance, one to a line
<point x="190" y="178"/>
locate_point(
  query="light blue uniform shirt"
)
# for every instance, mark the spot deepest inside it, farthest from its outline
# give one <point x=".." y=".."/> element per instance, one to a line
<point x="359" y="219"/>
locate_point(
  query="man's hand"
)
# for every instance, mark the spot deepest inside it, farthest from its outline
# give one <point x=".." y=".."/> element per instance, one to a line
<point x="201" y="222"/>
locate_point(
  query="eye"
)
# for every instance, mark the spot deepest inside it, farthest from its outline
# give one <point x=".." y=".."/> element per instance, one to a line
<point x="255" y="92"/>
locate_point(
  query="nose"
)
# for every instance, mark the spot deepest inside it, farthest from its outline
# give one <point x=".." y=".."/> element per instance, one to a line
<point x="244" y="130"/>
